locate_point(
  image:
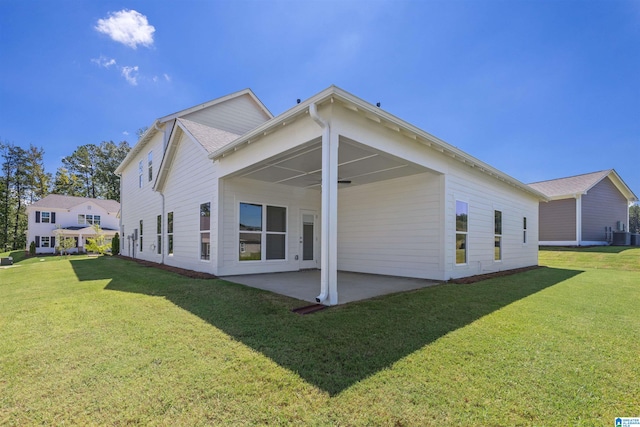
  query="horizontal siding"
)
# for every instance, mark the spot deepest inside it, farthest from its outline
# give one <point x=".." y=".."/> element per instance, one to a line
<point x="391" y="227"/>
<point x="141" y="203"/>
<point x="484" y="196"/>
<point x="238" y="190"/>
<point x="237" y="115"/>
<point x="558" y="220"/>
<point x="603" y="206"/>
<point x="190" y="182"/>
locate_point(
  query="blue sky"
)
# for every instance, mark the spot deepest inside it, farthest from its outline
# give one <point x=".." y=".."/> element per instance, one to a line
<point x="539" y="89"/>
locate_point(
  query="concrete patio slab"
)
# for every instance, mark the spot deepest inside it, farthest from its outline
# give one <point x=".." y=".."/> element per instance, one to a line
<point x="305" y="285"/>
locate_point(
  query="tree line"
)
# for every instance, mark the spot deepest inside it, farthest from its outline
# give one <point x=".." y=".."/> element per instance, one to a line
<point x="87" y="172"/>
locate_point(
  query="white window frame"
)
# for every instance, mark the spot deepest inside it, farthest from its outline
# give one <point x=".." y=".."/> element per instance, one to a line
<point x="497" y="237"/>
<point x="241" y="248"/>
<point x="524" y="230"/>
<point x="150" y="165"/>
<point x="159" y="234"/>
<point x="140" y="236"/>
<point x="140" y="174"/>
<point x="84" y="219"/>
<point x="465" y="233"/>
<point x="170" y="242"/>
<point x="42" y="241"/>
<point x="202" y="232"/>
<point x="42" y="217"/>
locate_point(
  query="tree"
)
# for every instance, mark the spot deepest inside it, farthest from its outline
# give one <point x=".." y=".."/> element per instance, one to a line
<point x="634" y="218"/>
<point x="67" y="184"/>
<point x="39" y="180"/>
<point x="98" y="243"/>
<point x="15" y="187"/>
<point x="115" y="244"/>
<point x="64" y="243"/>
<point x="81" y="163"/>
<point x="110" y="157"/>
<point x="89" y="171"/>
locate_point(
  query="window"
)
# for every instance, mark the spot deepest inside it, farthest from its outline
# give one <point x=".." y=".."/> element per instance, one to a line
<point x="258" y="242"/>
<point x="141" y="246"/>
<point x="524" y="229"/>
<point x="45" y="217"/>
<point x="140" y="173"/>
<point x="205" y="234"/>
<point x="170" y="233"/>
<point x="497" y="238"/>
<point x="44" y="241"/>
<point x="81" y="219"/>
<point x="150" y="165"/>
<point x="462" y="220"/>
<point x="159" y="233"/>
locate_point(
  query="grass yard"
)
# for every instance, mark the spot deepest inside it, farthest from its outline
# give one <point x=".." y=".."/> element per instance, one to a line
<point x="104" y="341"/>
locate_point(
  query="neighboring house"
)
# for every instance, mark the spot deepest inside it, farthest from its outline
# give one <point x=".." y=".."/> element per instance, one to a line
<point x="334" y="183"/>
<point x="584" y="209"/>
<point x="56" y="215"/>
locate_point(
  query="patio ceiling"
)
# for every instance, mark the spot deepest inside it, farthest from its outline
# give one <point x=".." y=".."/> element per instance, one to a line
<point x="358" y="164"/>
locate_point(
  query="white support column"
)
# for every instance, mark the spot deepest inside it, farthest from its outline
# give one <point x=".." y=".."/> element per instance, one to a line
<point x="329" y="197"/>
<point x="579" y="219"/>
<point x="332" y="213"/>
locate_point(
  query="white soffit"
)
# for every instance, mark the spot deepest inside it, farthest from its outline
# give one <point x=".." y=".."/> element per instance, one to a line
<point x="357" y="163"/>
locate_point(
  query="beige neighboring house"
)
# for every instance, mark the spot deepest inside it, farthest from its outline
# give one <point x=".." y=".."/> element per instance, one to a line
<point x="584" y="209"/>
<point x="56" y="215"/>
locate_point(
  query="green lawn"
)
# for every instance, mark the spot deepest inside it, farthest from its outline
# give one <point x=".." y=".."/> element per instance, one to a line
<point x="103" y="341"/>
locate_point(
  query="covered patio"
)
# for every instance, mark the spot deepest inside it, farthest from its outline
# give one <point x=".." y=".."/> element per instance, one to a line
<point x="390" y="204"/>
<point x="303" y="285"/>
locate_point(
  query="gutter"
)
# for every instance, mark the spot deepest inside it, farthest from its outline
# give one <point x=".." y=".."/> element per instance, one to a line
<point x="324" y="282"/>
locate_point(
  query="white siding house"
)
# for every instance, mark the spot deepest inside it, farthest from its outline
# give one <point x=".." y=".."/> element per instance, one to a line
<point x="334" y="183"/>
<point x="56" y="215"/>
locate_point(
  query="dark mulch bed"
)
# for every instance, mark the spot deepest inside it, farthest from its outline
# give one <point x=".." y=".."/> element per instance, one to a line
<point x="182" y="271"/>
<point x="479" y="277"/>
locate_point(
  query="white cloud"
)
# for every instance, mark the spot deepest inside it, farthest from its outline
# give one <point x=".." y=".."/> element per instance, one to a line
<point x="167" y="77"/>
<point x="130" y="74"/>
<point x="103" y="61"/>
<point x="125" y="133"/>
<point x="128" y="27"/>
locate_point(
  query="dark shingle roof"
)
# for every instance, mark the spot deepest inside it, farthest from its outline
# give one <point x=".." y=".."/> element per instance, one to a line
<point x="578" y="184"/>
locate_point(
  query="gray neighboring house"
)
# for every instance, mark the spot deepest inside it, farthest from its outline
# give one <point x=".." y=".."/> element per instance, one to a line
<point x="583" y="209"/>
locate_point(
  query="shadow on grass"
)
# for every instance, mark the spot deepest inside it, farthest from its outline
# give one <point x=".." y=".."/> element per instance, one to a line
<point x="332" y="349"/>
<point x="588" y="249"/>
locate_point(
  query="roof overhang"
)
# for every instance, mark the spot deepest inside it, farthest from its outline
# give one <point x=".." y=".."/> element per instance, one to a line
<point x="377" y="115"/>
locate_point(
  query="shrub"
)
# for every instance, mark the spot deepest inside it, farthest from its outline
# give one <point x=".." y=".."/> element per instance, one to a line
<point x="115" y="244"/>
<point x="32" y="248"/>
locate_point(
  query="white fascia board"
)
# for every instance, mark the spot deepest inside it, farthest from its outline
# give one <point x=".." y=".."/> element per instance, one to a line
<point x="622" y="186"/>
<point x="142" y="142"/>
<point x="334" y="93"/>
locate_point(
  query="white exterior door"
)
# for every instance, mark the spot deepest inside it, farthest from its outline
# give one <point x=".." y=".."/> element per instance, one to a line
<point x="308" y="239"/>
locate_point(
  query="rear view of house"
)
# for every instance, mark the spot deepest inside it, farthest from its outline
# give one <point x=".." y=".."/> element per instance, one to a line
<point x="584" y="209"/>
<point x="334" y="183"/>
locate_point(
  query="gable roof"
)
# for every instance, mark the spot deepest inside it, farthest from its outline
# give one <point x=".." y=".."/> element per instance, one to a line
<point x="162" y="122"/>
<point x="562" y="188"/>
<point x="58" y="201"/>
<point x="334" y="93"/>
<point x="210" y="138"/>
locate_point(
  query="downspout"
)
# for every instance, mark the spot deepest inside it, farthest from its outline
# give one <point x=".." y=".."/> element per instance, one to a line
<point x="326" y="134"/>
